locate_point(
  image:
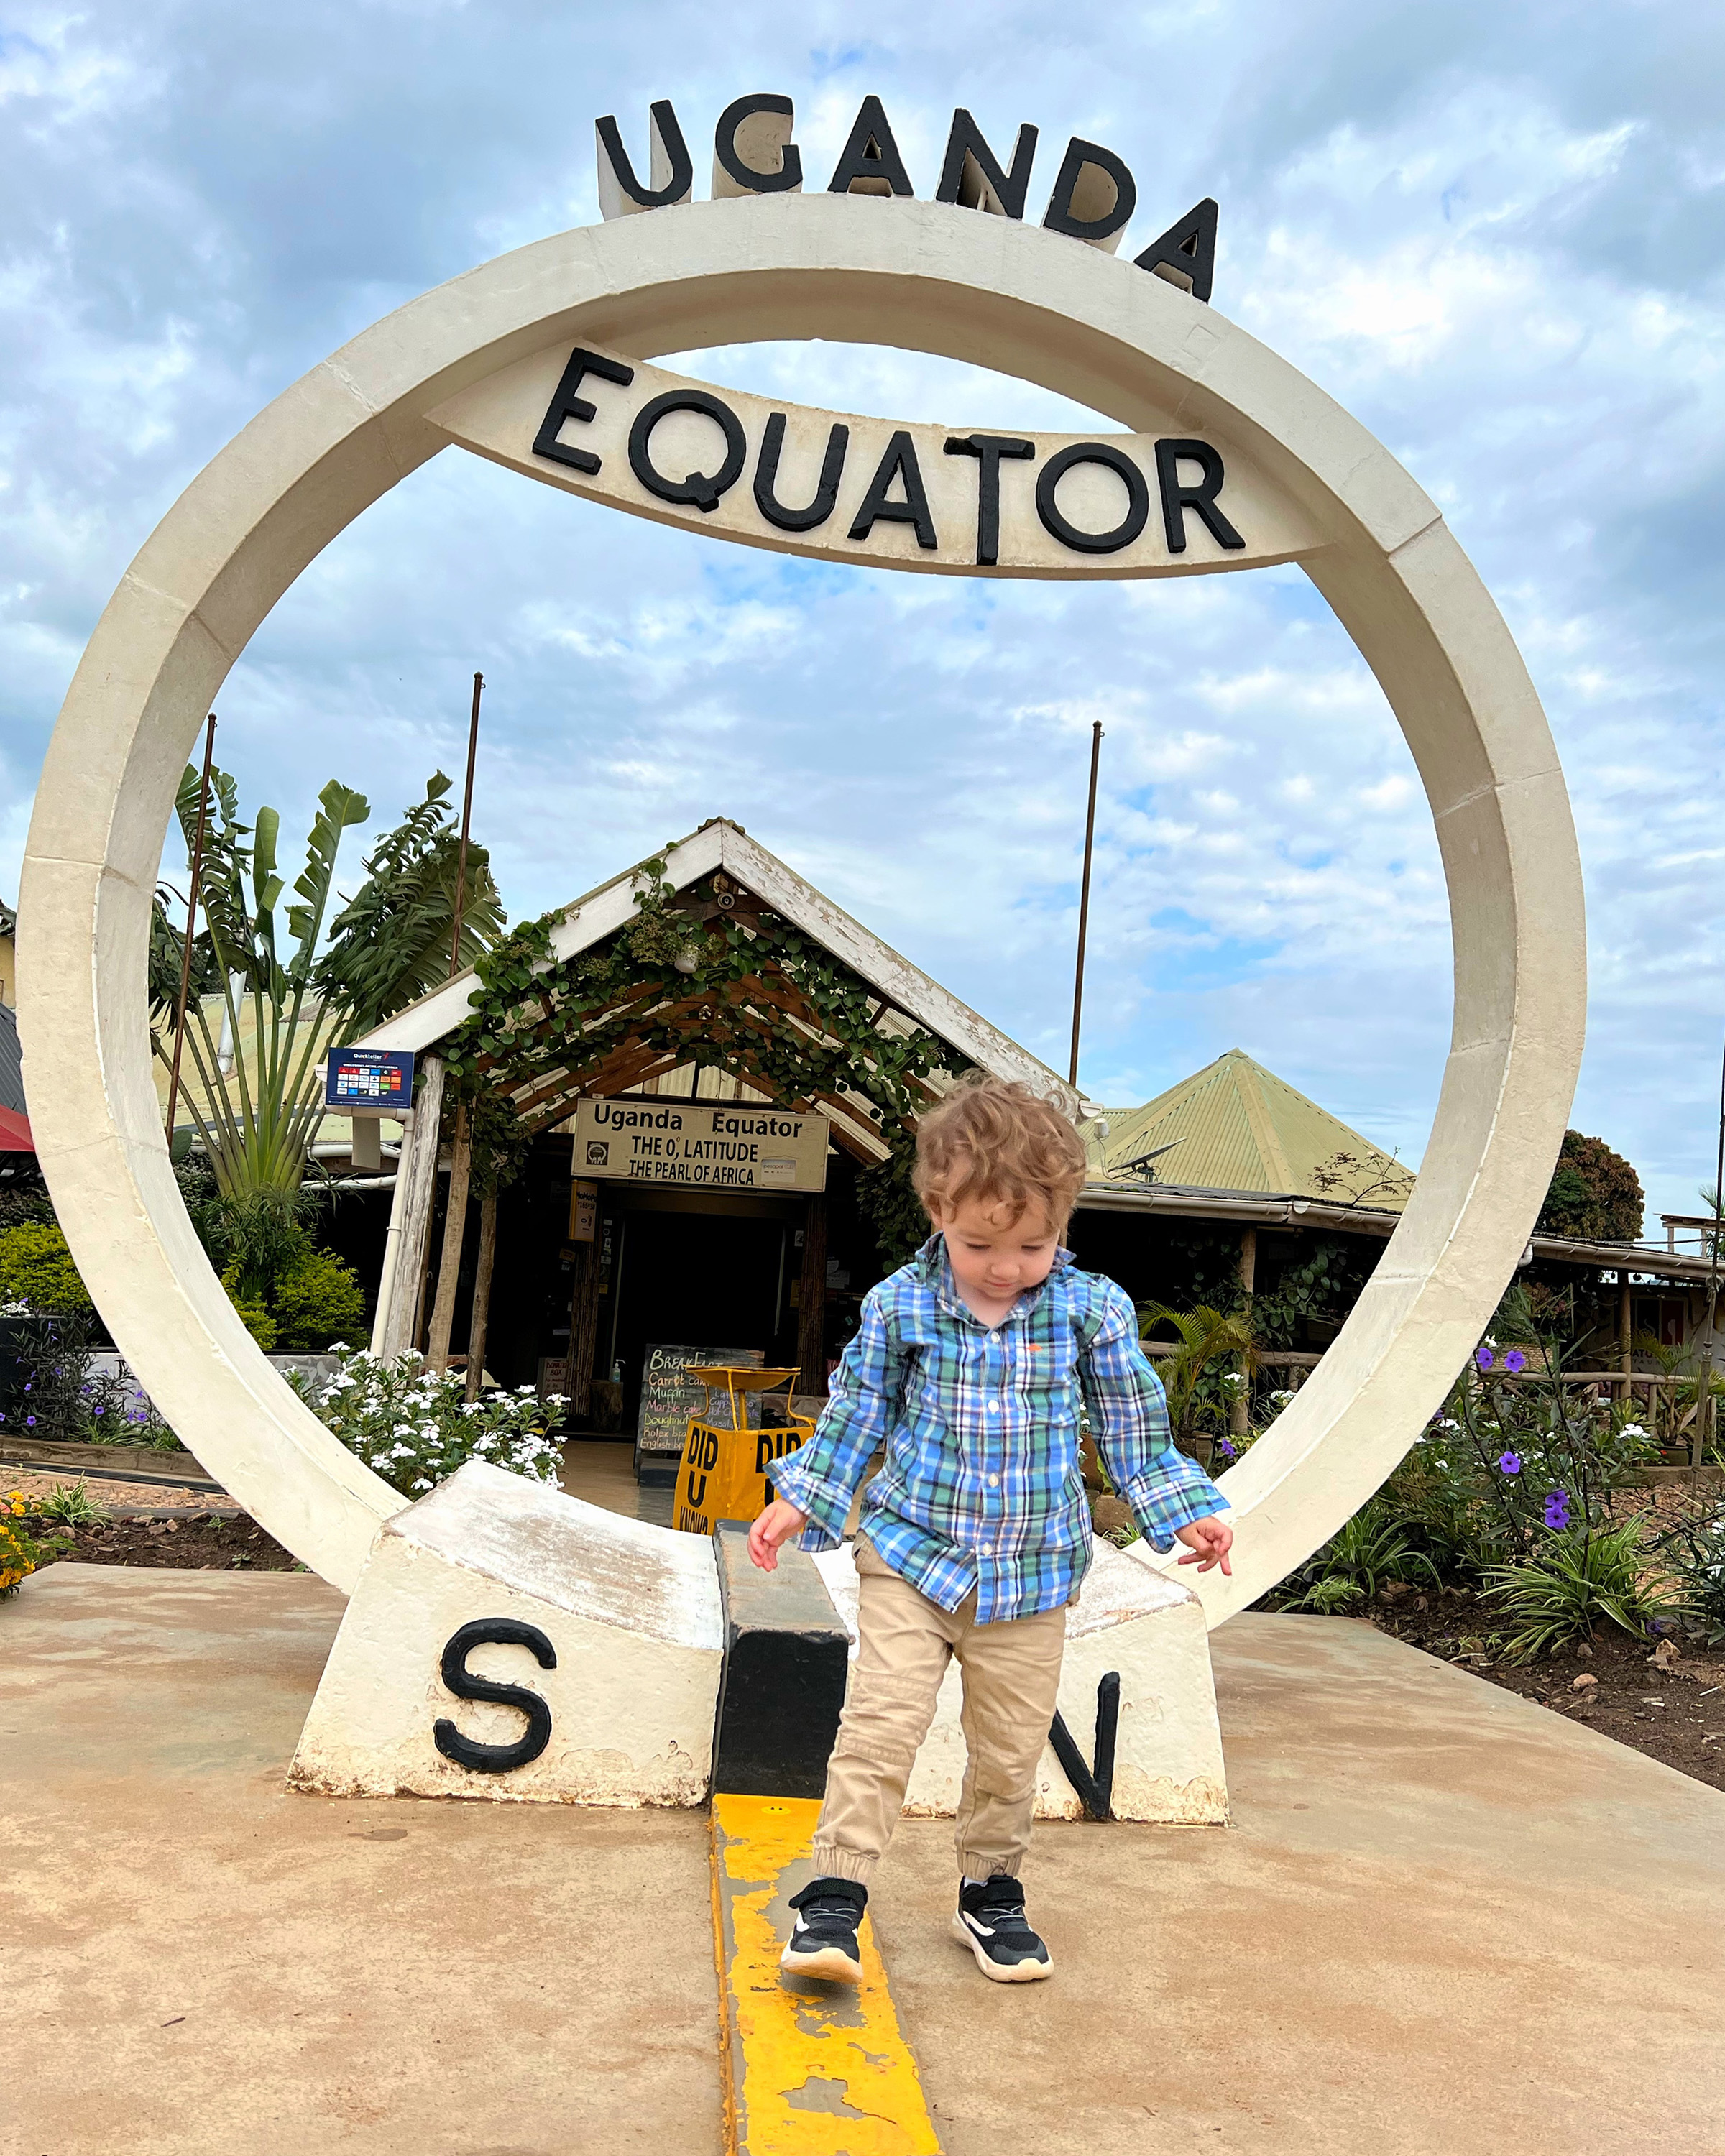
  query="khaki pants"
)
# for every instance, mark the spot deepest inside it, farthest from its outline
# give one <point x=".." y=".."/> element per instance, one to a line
<point x="1012" y="1674"/>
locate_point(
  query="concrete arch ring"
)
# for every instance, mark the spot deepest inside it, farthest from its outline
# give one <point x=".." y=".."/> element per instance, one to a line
<point x="918" y="276"/>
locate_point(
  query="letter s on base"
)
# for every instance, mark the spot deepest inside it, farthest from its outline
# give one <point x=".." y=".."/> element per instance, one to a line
<point x="466" y="1684"/>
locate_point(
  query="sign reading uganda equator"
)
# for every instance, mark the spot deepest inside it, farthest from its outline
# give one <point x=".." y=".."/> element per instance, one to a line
<point x="702" y="1144"/>
<point x="846" y="487"/>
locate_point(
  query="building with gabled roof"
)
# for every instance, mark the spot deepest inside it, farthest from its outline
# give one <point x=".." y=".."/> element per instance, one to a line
<point x="713" y="979"/>
<point x="1235" y="1126"/>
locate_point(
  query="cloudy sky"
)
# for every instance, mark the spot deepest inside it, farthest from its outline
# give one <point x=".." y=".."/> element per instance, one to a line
<point x="1493" y="233"/>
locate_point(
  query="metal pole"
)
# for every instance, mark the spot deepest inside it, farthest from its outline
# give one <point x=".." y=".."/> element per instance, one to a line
<point x="1704" y="1390"/>
<point x="1089" y="837"/>
<point x="173" y="1082"/>
<point x="479" y="683"/>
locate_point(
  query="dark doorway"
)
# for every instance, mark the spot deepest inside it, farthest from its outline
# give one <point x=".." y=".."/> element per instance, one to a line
<point x="698" y="1279"/>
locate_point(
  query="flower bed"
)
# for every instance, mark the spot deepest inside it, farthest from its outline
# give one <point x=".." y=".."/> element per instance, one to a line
<point x="415" y="1428"/>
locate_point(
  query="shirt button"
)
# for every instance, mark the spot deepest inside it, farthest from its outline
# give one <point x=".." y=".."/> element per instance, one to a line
<point x="993" y="1407"/>
<point x="993" y="1481"/>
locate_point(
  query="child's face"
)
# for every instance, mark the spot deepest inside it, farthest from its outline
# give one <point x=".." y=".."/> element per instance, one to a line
<point x="993" y="1256"/>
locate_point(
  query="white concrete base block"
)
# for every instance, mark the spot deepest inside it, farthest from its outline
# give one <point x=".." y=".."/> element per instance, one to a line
<point x="631" y="1612"/>
<point x="1168" y="1751"/>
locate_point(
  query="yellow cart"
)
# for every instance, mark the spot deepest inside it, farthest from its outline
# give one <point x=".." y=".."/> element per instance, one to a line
<point x="726" y="1462"/>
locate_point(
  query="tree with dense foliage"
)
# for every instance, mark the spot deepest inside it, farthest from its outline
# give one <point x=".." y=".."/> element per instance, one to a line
<point x="1595" y="1196"/>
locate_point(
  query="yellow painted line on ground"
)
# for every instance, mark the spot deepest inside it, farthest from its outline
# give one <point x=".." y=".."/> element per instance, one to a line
<point x="816" y="2069"/>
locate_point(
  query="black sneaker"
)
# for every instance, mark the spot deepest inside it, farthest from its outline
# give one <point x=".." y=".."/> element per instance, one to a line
<point x="991" y="1921"/>
<point x="823" y="1941"/>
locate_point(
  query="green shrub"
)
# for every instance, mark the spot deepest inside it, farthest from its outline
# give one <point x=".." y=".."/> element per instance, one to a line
<point x="1693" y="1548"/>
<point x="253" y="1315"/>
<point x="36" y="1269"/>
<point x="318" y="1301"/>
<point x="1369" y="1548"/>
<point x="1576" y="1580"/>
<point x="17" y="1206"/>
<point x="1512" y="1455"/>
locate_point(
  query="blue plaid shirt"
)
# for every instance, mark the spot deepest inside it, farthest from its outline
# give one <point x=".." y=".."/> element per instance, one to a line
<point x="982" y="1489"/>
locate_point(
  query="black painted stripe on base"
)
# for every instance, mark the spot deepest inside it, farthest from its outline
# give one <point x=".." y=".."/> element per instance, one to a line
<point x="787" y="1661"/>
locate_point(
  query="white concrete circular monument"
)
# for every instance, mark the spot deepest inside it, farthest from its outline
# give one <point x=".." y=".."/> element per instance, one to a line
<point x="538" y="359"/>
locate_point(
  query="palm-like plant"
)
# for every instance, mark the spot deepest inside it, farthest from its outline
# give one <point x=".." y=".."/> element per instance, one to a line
<point x="1204" y="1336"/>
<point x="257" y="1114"/>
<point x="393" y="943"/>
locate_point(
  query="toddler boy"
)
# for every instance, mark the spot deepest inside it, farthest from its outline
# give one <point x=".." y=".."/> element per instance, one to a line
<point x="975" y="1535"/>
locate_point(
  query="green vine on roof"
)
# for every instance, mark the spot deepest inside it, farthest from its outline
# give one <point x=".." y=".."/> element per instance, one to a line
<point x="537" y="1015"/>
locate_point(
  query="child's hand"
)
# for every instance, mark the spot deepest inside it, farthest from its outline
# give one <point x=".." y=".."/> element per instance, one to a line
<point x="776" y="1525"/>
<point x="1207" y="1542"/>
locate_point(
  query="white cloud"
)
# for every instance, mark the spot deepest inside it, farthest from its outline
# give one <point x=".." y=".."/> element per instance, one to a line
<point x="1492" y="232"/>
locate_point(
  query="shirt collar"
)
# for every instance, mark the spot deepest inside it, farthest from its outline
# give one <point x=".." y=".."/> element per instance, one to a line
<point x="934" y="1269"/>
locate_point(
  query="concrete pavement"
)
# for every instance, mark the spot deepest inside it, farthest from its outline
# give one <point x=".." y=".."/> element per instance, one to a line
<point x="1445" y="1924"/>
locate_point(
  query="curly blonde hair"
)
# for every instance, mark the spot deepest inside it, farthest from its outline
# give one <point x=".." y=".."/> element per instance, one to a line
<point x="996" y="1141"/>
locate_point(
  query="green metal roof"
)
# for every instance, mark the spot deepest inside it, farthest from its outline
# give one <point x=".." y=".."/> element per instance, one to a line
<point x="1235" y="1126"/>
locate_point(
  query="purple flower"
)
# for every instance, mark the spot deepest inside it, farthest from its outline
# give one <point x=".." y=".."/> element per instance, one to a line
<point x="29" y="1422"/>
<point x="1510" y="1462"/>
<point x="1556" y="1509"/>
<point x="1515" y="1360"/>
<point x="1484" y="1358"/>
<point x="1227" y="1451"/>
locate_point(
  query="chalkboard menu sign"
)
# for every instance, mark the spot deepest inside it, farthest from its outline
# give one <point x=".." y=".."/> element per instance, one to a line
<point x="669" y="1396"/>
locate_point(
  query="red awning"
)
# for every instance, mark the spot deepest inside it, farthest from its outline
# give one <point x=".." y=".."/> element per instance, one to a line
<point x="15" y="1133"/>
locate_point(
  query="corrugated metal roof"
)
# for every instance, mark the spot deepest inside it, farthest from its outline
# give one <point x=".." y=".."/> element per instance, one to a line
<point x="11" y="1064"/>
<point x="1235" y="1126"/>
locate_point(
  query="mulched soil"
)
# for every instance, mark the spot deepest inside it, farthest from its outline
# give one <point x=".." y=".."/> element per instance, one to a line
<point x="200" y="1542"/>
<point x="1672" y="1708"/>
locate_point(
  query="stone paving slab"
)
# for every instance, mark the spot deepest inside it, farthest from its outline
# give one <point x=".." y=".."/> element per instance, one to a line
<point x="203" y="1963"/>
<point x="1445" y="1922"/>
